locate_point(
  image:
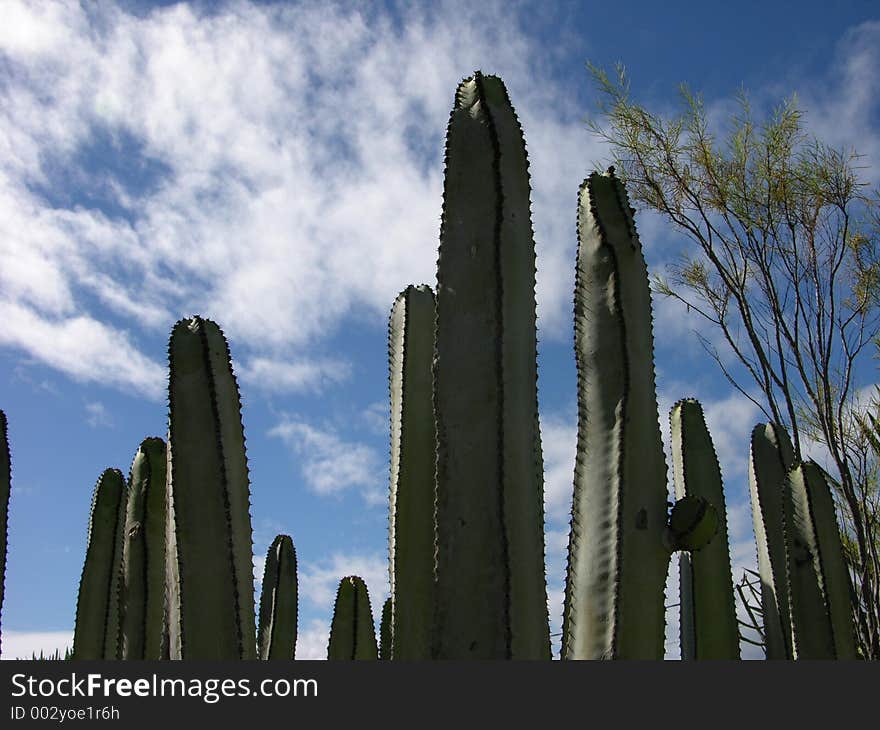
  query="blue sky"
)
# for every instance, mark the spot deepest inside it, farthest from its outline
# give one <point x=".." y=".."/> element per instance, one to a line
<point x="278" y="168"/>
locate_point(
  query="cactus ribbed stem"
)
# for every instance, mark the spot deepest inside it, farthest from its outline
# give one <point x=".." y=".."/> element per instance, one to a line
<point x="97" y="608"/>
<point x="617" y="558"/>
<point x="209" y="577"/>
<point x="413" y="437"/>
<point x="352" y="634"/>
<point x="276" y="638"/>
<point x="709" y="628"/>
<point x="5" y="491"/>
<point x="770" y="457"/>
<point x="142" y="602"/>
<point x="491" y="590"/>
<point x="819" y="596"/>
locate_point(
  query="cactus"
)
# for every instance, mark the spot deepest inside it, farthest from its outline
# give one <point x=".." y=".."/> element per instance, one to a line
<point x="708" y="626"/>
<point x="818" y="583"/>
<point x="770" y="458"/>
<point x="276" y="638"/>
<point x="491" y="599"/>
<point x="209" y="573"/>
<point x="5" y="490"/>
<point x="97" y="609"/>
<point x="352" y="634"/>
<point x="411" y="523"/>
<point x="385" y="631"/>
<point x="142" y="583"/>
<point x="618" y="556"/>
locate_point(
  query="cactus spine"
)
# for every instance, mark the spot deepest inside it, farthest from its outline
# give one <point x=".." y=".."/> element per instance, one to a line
<point x="617" y="557"/>
<point x="708" y="624"/>
<point x="209" y="574"/>
<point x="490" y="591"/>
<point x="821" y="618"/>
<point x="5" y="490"/>
<point x="142" y="583"/>
<point x="413" y="436"/>
<point x="770" y="457"/>
<point x="96" y="633"/>
<point x="352" y="634"/>
<point x="276" y="638"/>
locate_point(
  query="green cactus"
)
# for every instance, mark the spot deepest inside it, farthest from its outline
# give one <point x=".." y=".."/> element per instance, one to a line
<point x="708" y="626"/>
<point x="385" y="631"/>
<point x="209" y="576"/>
<point x="770" y="457"/>
<point x="413" y="436"/>
<point x="5" y="490"/>
<point x="491" y="599"/>
<point x="618" y="546"/>
<point x="97" y="608"/>
<point x="819" y="594"/>
<point x="352" y="634"/>
<point x="276" y="638"/>
<point x="142" y="602"/>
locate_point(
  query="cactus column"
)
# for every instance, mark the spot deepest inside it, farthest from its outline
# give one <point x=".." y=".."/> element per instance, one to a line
<point x="5" y="489"/>
<point x="97" y="607"/>
<point x="618" y="553"/>
<point x="413" y="436"/>
<point x="491" y="599"/>
<point x="209" y="574"/>
<point x="770" y="457"/>
<point x="142" y="602"/>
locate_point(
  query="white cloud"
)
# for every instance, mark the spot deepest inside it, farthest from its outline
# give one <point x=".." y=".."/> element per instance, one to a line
<point x="318" y="581"/>
<point x="83" y="347"/>
<point x="290" y="179"/>
<point x="559" y="446"/>
<point x="329" y="464"/>
<point x="297" y="376"/>
<point x="312" y="640"/>
<point x="98" y="415"/>
<point x="24" y="644"/>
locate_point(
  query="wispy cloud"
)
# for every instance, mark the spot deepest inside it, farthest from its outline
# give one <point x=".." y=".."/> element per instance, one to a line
<point x="289" y="179"/>
<point x="319" y="580"/>
<point x="295" y="376"/>
<point x="329" y="464"/>
<point x="23" y="644"/>
<point x="97" y="415"/>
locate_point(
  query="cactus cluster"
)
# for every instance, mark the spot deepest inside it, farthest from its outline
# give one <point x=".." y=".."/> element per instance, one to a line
<point x="168" y="570"/>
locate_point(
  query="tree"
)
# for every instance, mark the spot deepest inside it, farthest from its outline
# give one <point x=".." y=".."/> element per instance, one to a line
<point x="785" y="266"/>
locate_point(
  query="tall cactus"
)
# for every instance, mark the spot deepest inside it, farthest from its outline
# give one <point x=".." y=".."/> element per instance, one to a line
<point x="142" y="583"/>
<point x="5" y="490"/>
<point x="385" y="631"/>
<point x="770" y="457"/>
<point x="708" y="626"/>
<point x="352" y="634"/>
<point x="209" y="575"/>
<point x="276" y="638"/>
<point x="97" y="608"/>
<point x="617" y="555"/>
<point x="413" y="436"/>
<point x="819" y="596"/>
<point x="491" y="599"/>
